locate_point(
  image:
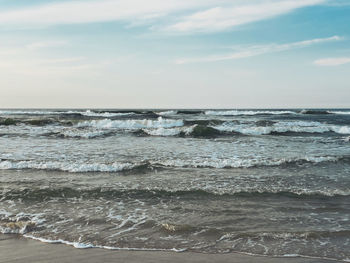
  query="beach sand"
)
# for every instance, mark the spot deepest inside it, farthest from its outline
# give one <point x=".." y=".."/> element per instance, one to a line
<point x="15" y="248"/>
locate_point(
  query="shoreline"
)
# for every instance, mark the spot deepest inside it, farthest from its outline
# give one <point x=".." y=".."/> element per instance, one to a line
<point x="16" y="248"/>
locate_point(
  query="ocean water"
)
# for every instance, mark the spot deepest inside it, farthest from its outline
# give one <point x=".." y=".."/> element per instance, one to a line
<point x="266" y="182"/>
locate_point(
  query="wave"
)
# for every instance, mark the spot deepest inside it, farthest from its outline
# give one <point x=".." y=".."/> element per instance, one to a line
<point x="196" y="131"/>
<point x="315" y="112"/>
<point x="81" y="134"/>
<point x="246" y="112"/>
<point x="283" y="127"/>
<point x="189" y="112"/>
<point x="340" y="112"/>
<point x="72" y="167"/>
<point x="106" y="114"/>
<point x="30" y="112"/>
<point x="184" y="131"/>
<point x="37" y="194"/>
<point x="167" y="113"/>
<point x="131" y="124"/>
<point x="89" y="113"/>
<point x="244" y="162"/>
<point x="89" y="245"/>
<point x="271" y="236"/>
<point x="224" y="163"/>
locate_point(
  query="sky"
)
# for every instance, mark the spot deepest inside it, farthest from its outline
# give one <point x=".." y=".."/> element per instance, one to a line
<point x="175" y="54"/>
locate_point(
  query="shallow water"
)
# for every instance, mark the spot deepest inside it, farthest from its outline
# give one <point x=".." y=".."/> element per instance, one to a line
<point x="272" y="182"/>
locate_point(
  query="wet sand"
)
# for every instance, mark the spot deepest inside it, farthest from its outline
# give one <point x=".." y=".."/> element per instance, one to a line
<point x="15" y="248"/>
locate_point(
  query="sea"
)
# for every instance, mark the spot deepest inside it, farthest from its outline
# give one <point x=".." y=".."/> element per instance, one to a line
<point x="254" y="181"/>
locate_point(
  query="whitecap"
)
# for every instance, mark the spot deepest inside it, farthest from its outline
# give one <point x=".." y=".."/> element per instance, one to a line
<point x="166" y="113"/>
<point x="132" y="124"/>
<point x="170" y="131"/>
<point x="246" y="112"/>
<point x="72" y="167"/>
<point x="282" y="127"/>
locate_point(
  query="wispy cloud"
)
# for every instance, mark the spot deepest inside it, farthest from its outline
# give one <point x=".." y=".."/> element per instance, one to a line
<point x="250" y="51"/>
<point x="175" y="15"/>
<point x="222" y="18"/>
<point x="26" y="60"/>
<point x="332" y="61"/>
<point x="47" y="44"/>
<point x="96" y="11"/>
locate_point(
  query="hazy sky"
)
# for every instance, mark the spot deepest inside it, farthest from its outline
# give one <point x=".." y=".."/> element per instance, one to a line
<point x="174" y="53"/>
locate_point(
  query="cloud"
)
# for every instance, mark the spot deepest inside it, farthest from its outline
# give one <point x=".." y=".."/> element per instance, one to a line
<point x="95" y="11"/>
<point x="47" y="44"/>
<point x="250" y="51"/>
<point x="222" y="18"/>
<point x="24" y="60"/>
<point x="332" y="61"/>
<point x="174" y="15"/>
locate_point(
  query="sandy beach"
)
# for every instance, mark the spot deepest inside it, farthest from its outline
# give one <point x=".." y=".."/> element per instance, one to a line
<point x="18" y="249"/>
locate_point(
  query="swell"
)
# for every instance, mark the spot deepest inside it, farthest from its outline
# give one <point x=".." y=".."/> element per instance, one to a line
<point x="74" y="167"/>
<point x="150" y="165"/>
<point x="211" y="128"/>
<point x="33" y="194"/>
<point x="214" y="112"/>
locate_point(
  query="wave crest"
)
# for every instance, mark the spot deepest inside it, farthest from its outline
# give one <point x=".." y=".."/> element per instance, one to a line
<point x="132" y="124"/>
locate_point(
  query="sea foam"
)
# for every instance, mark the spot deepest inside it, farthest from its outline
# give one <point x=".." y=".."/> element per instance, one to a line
<point x="283" y="127"/>
<point x="246" y="112"/>
<point x="132" y="124"/>
<point x="72" y="167"/>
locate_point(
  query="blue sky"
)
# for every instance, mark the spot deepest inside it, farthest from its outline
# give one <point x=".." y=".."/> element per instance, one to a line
<point x="175" y="53"/>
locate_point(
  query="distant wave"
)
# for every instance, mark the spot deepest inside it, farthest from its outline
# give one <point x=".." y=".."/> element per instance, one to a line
<point x="284" y="127"/>
<point x="266" y="128"/>
<point x="132" y="124"/>
<point x="115" y="113"/>
<point x="89" y="113"/>
<point x="89" y="129"/>
<point x="166" y="113"/>
<point x="105" y="114"/>
<point x="319" y="112"/>
<point x="246" y="112"/>
<point x="340" y="112"/>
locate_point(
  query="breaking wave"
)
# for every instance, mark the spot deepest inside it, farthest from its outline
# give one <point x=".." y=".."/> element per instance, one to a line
<point x="72" y="167"/>
<point x="131" y="124"/>
<point x="283" y="127"/>
<point x="246" y="112"/>
<point x="76" y="167"/>
<point x="167" y="113"/>
<point x="244" y="162"/>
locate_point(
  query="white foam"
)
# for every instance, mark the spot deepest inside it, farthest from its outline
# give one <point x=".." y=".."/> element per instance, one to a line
<point x="89" y="245"/>
<point x="169" y="131"/>
<point x="60" y="241"/>
<point x="340" y="112"/>
<point x="132" y="124"/>
<point x="240" y="162"/>
<point x="104" y="114"/>
<point x="166" y="113"/>
<point x="72" y="167"/>
<point x="85" y="113"/>
<point x="246" y="112"/>
<point x="281" y="127"/>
